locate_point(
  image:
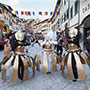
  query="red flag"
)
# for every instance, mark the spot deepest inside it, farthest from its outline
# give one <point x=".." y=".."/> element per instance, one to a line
<point x="10" y="11"/>
<point x="2" y="11"/>
<point x="12" y="20"/>
<point x="39" y="13"/>
<point x="22" y="12"/>
<point x="46" y="13"/>
<point x="29" y="13"/>
<point x="57" y="13"/>
<point x="25" y="13"/>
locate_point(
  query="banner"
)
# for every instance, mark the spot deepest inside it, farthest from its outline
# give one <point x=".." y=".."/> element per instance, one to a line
<point x="29" y="13"/>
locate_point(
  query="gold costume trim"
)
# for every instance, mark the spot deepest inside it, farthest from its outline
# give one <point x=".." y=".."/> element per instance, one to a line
<point x="85" y="59"/>
<point x="57" y="57"/>
<point x="45" y="63"/>
<point x="30" y="63"/>
<point x="80" y="68"/>
<point x="26" y="71"/>
<point x="19" y="53"/>
<point x="14" y="77"/>
<point x="3" y="74"/>
<point x="69" y="67"/>
<point x="62" y="64"/>
<point x="38" y="63"/>
<point x="54" y="66"/>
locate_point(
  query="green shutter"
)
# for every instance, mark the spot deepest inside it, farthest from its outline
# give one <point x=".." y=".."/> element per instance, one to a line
<point x="67" y="13"/>
<point x="71" y="12"/>
<point x="76" y="7"/>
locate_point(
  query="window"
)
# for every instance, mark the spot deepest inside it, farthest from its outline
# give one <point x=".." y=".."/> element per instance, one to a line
<point x="67" y="13"/>
<point x="71" y="12"/>
<point x="64" y="2"/>
<point x="0" y="11"/>
<point x="61" y="3"/>
<point x="76" y="7"/>
<point x="58" y="23"/>
<point x="61" y="19"/>
<point x="65" y="17"/>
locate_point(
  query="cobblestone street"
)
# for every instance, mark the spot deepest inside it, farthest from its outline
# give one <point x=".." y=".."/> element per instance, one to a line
<point x="42" y="81"/>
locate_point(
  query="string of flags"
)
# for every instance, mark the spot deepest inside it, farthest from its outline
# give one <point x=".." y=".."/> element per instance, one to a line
<point x="14" y="21"/>
<point x="24" y="21"/>
<point x="28" y="13"/>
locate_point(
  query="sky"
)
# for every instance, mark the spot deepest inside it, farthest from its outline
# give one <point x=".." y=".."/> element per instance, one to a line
<point x="32" y="5"/>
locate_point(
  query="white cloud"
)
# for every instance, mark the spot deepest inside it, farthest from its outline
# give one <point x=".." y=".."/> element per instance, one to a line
<point x="32" y="5"/>
<point x="15" y="4"/>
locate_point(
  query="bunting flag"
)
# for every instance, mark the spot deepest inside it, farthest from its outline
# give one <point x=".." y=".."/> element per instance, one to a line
<point x="22" y="13"/>
<point x="40" y="13"/>
<point x="38" y="21"/>
<point x="16" y="12"/>
<point x="10" y="24"/>
<point x="45" y="13"/>
<point x="30" y="22"/>
<point x="48" y="21"/>
<point x="17" y="21"/>
<point x="25" y="12"/>
<point x="13" y="20"/>
<point x="2" y="11"/>
<point x="26" y="21"/>
<point x="51" y="13"/>
<point x="10" y="11"/>
<point x="29" y="13"/>
<point x="8" y="19"/>
<point x="23" y="21"/>
<point x="57" y="13"/>
<point x="42" y="21"/>
<point x="33" y="13"/>
<point x="34" y="21"/>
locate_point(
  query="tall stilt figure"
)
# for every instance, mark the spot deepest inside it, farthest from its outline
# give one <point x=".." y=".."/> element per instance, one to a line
<point x="74" y="58"/>
<point x="18" y="60"/>
<point x="47" y="60"/>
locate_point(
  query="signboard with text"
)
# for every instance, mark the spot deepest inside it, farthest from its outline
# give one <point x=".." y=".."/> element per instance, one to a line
<point x="84" y="9"/>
